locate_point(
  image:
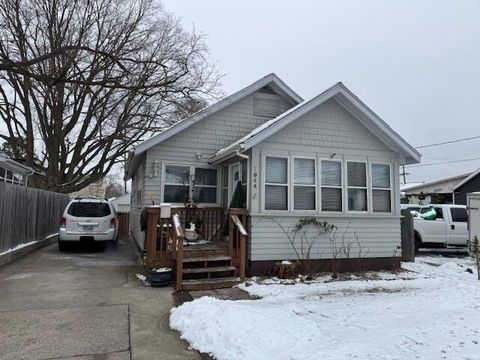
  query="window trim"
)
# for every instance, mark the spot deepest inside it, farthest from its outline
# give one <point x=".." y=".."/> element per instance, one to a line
<point x="341" y="186"/>
<point x="292" y="184"/>
<point x="190" y="190"/>
<point x="284" y="155"/>
<point x="366" y="188"/>
<point x="377" y="188"/>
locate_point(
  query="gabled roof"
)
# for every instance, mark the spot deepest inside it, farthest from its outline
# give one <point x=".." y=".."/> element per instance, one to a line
<point x="467" y="179"/>
<point x="349" y="101"/>
<point x="272" y="80"/>
<point x="460" y="178"/>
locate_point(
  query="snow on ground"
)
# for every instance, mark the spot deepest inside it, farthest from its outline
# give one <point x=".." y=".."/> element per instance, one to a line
<point x="18" y="247"/>
<point x="430" y="311"/>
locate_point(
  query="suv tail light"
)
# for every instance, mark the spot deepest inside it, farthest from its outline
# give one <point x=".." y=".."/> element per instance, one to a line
<point x="63" y="222"/>
<point x="112" y="223"/>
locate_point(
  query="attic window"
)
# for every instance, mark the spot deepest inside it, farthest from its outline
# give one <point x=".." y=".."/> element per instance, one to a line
<point x="266" y="105"/>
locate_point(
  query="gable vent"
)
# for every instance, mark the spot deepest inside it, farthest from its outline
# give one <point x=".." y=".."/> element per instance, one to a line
<point x="266" y="105"/>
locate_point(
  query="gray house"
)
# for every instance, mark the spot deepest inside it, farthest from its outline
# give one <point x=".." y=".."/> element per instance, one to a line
<point x="330" y="158"/>
<point x="13" y="172"/>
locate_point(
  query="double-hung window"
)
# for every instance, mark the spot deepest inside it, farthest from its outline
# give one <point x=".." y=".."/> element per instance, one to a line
<point x="205" y="186"/>
<point x="185" y="182"/>
<point x="381" y="188"/>
<point x="357" y="186"/>
<point x="177" y="184"/>
<point x="331" y="184"/>
<point x="304" y="184"/>
<point x="276" y="183"/>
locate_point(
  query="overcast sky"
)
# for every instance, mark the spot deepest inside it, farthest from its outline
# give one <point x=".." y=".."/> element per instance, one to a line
<point x="415" y="63"/>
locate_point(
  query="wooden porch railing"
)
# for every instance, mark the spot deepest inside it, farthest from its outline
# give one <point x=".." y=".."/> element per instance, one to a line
<point x="164" y="239"/>
<point x="237" y="239"/>
<point x="211" y="220"/>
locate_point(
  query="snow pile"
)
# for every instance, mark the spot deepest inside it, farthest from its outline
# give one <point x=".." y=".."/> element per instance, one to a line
<point x="18" y="247"/>
<point x="431" y="311"/>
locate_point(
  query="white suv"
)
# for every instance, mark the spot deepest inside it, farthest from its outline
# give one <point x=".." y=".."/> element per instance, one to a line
<point x="88" y="219"/>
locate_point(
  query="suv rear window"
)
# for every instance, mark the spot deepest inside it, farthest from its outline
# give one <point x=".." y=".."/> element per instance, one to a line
<point x="89" y="209"/>
<point x="459" y="215"/>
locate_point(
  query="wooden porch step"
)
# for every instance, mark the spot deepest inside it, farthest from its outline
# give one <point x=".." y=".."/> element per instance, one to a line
<point x="209" y="269"/>
<point x="207" y="258"/>
<point x="209" y="284"/>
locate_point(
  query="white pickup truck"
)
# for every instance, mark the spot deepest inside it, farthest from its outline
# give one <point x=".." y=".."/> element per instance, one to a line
<point x="449" y="229"/>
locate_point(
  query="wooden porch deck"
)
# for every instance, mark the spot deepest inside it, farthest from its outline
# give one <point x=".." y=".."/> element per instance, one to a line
<point x="204" y="264"/>
<point x="214" y="248"/>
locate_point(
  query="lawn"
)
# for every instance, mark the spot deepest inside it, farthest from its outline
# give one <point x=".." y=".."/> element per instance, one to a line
<point x="429" y="311"/>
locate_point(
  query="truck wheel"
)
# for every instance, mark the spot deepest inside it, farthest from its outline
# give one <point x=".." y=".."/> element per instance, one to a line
<point x="418" y="242"/>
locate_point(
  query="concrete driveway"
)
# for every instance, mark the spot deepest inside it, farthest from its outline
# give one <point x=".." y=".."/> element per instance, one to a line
<point x="84" y="304"/>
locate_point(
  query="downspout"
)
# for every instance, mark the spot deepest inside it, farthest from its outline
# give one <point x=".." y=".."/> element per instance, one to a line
<point x="243" y="156"/>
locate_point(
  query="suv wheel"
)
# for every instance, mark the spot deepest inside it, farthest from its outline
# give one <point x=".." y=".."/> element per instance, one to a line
<point x="62" y="245"/>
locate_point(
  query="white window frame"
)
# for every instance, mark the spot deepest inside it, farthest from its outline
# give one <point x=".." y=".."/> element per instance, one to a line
<point x="377" y="188"/>
<point x="226" y="185"/>
<point x="190" y="188"/>
<point x="264" y="183"/>
<point x="341" y="186"/>
<point x="292" y="184"/>
<point x="366" y="188"/>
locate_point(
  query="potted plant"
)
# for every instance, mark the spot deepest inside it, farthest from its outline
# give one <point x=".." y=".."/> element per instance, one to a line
<point x="158" y="277"/>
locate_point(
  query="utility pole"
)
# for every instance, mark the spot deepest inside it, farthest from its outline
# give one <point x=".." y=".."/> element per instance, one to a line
<point x="404" y="175"/>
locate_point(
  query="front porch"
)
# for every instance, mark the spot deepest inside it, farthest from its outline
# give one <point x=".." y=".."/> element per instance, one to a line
<point x="216" y="259"/>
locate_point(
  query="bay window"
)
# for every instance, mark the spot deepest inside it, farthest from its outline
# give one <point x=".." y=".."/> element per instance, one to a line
<point x="381" y="188"/>
<point x="304" y="184"/>
<point x="357" y="186"/>
<point x="331" y="185"/>
<point x="276" y="183"/>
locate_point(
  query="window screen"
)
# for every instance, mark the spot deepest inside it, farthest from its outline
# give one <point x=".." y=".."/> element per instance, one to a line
<point x="205" y="189"/>
<point x="381" y="192"/>
<point x="304" y="184"/>
<point x="276" y="183"/>
<point x="331" y="185"/>
<point x="357" y="186"/>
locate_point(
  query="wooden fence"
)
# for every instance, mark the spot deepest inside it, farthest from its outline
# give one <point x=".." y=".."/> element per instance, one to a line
<point x="28" y="214"/>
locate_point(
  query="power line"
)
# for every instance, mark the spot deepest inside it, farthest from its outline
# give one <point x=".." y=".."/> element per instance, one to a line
<point x="448" y="142"/>
<point x="443" y="162"/>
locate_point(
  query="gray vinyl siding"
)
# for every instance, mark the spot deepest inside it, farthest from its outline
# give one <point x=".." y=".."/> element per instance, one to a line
<point x="379" y="237"/>
<point x="204" y="138"/>
<point x="329" y="130"/>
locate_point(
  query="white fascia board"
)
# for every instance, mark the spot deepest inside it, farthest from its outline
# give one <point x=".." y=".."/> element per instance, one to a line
<point x="374" y="124"/>
<point x="272" y="78"/>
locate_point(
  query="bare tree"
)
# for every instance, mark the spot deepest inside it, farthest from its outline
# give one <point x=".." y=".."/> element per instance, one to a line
<point x="82" y="81"/>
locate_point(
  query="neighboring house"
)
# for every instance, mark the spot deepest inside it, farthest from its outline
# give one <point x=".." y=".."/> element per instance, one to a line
<point x="450" y="190"/>
<point x="121" y="204"/>
<point x="13" y="172"/>
<point x="96" y="189"/>
<point x="331" y="158"/>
